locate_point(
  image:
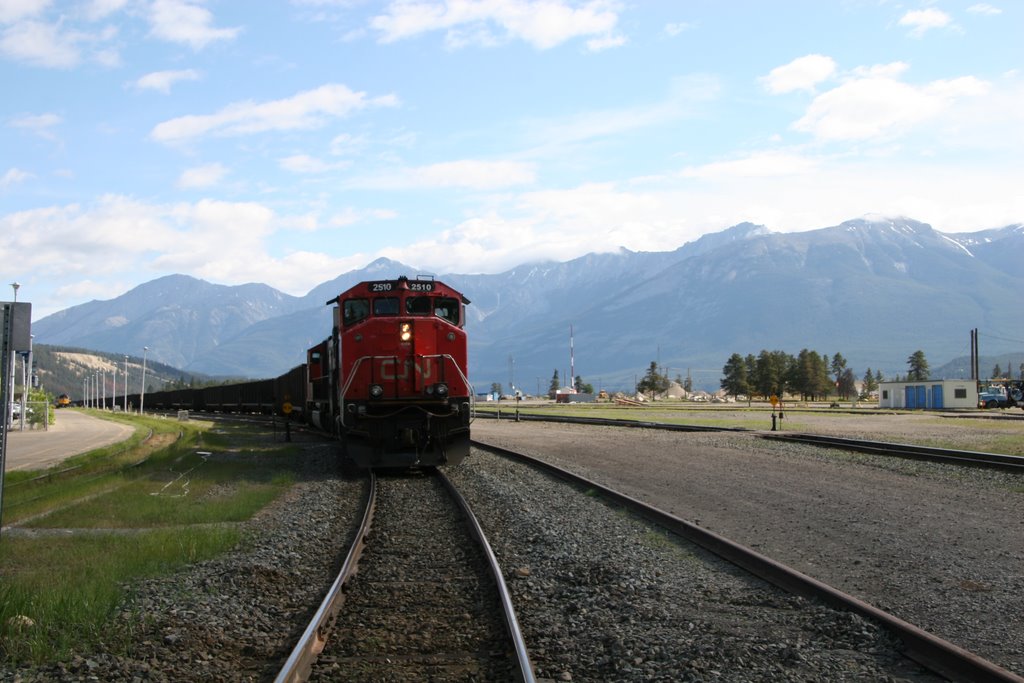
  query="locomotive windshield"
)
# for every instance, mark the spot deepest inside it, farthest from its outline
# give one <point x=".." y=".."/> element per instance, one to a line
<point x="418" y="305"/>
<point x="355" y="310"/>
<point x="442" y="307"/>
<point x="448" y="309"/>
<point x="385" y="305"/>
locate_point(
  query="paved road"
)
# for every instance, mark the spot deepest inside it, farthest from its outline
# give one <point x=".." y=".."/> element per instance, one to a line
<point x="74" y="433"/>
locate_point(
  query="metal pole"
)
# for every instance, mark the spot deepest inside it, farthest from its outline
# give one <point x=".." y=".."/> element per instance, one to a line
<point x="24" y="390"/>
<point x="126" y="385"/>
<point x="6" y="357"/>
<point x="142" y="394"/>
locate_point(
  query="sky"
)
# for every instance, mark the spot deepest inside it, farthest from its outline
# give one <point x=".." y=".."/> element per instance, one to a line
<point x="288" y="142"/>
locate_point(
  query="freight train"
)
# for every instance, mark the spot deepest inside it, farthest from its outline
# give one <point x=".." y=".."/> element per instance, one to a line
<point x="390" y="382"/>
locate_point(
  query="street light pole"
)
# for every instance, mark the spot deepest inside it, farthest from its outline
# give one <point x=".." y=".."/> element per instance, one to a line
<point x="142" y="394"/>
<point x="126" y="385"/>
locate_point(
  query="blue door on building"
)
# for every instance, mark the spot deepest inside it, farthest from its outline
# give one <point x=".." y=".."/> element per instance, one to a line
<point x="917" y="397"/>
<point x="937" y="396"/>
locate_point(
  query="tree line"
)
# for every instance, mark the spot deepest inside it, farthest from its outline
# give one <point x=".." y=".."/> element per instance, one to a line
<point x="810" y="375"/>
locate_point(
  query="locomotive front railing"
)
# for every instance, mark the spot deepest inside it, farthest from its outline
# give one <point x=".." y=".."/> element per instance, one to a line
<point x="442" y="356"/>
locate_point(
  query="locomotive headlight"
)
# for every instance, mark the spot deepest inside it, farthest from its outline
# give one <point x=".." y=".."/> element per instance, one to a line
<point x="441" y="390"/>
<point x="451" y="336"/>
<point x="376" y="391"/>
<point x="405" y="332"/>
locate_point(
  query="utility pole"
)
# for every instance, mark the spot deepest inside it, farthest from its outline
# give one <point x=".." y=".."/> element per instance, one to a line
<point x="142" y="394"/>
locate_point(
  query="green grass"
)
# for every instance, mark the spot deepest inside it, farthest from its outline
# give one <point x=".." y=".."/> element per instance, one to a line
<point x="70" y="587"/>
<point x="171" y="505"/>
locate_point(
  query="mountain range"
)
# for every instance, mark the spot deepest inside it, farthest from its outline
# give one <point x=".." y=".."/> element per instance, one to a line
<point x="874" y="289"/>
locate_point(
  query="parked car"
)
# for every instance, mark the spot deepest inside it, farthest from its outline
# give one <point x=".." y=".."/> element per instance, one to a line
<point x="992" y="399"/>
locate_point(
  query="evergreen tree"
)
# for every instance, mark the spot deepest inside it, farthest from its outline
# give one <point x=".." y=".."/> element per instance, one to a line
<point x="870" y="384"/>
<point x="838" y="368"/>
<point x="555" y="384"/>
<point x="751" y="362"/>
<point x="734" y="376"/>
<point x="847" y="383"/>
<point x="772" y="372"/>
<point x="496" y="388"/>
<point x="653" y="382"/>
<point x="582" y="387"/>
<point x="997" y="372"/>
<point x="918" y="365"/>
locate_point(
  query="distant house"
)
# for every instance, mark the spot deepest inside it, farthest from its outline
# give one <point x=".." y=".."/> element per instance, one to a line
<point x="929" y="394"/>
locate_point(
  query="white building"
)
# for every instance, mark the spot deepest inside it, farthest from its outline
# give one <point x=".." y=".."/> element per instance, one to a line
<point x="929" y="394"/>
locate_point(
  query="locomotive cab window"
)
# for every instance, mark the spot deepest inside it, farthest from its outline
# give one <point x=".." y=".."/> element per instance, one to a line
<point x="448" y="309"/>
<point x="385" y="306"/>
<point x="418" y="305"/>
<point x="355" y="310"/>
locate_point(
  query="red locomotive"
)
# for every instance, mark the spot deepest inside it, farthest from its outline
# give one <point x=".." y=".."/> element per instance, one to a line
<point x="391" y="380"/>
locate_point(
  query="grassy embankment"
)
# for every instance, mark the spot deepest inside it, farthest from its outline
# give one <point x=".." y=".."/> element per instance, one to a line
<point x="141" y="508"/>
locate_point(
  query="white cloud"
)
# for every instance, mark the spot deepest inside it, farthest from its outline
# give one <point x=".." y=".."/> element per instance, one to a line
<point x="39" y="124"/>
<point x="466" y="173"/>
<point x="202" y="176"/>
<point x="541" y="23"/>
<point x="100" y="9"/>
<point x="163" y="80"/>
<point x="306" y="110"/>
<point x="13" y="176"/>
<point x="186" y="21"/>
<point x="16" y="10"/>
<point x="923" y="20"/>
<point x="803" y="73"/>
<point x="876" y="106"/>
<point x="351" y="216"/>
<point x="674" y="29"/>
<point x="758" y="164"/>
<point x="56" y="46"/>
<point x="984" y="8"/>
<point x="890" y="70"/>
<point x="303" y="163"/>
<point x="605" y="43"/>
<point x="40" y="44"/>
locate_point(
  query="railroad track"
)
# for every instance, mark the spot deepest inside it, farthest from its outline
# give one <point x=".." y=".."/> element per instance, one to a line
<point x="428" y="602"/>
<point x="1014" y="463"/>
<point x="1001" y="461"/>
<point x="934" y="653"/>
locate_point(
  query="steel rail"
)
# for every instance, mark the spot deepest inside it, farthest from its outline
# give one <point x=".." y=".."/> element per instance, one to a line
<point x="612" y="422"/>
<point x="932" y="652"/>
<point x="299" y="664"/>
<point x="525" y="668"/>
<point x="947" y="455"/>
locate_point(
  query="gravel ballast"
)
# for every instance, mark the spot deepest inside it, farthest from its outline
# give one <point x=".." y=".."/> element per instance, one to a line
<point x="604" y="596"/>
<point x="938" y="546"/>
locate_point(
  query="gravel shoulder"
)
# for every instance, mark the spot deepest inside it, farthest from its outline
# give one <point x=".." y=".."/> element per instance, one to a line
<point x="941" y="547"/>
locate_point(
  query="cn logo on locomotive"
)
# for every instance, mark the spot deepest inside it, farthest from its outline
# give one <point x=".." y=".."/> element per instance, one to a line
<point x="392" y="368"/>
